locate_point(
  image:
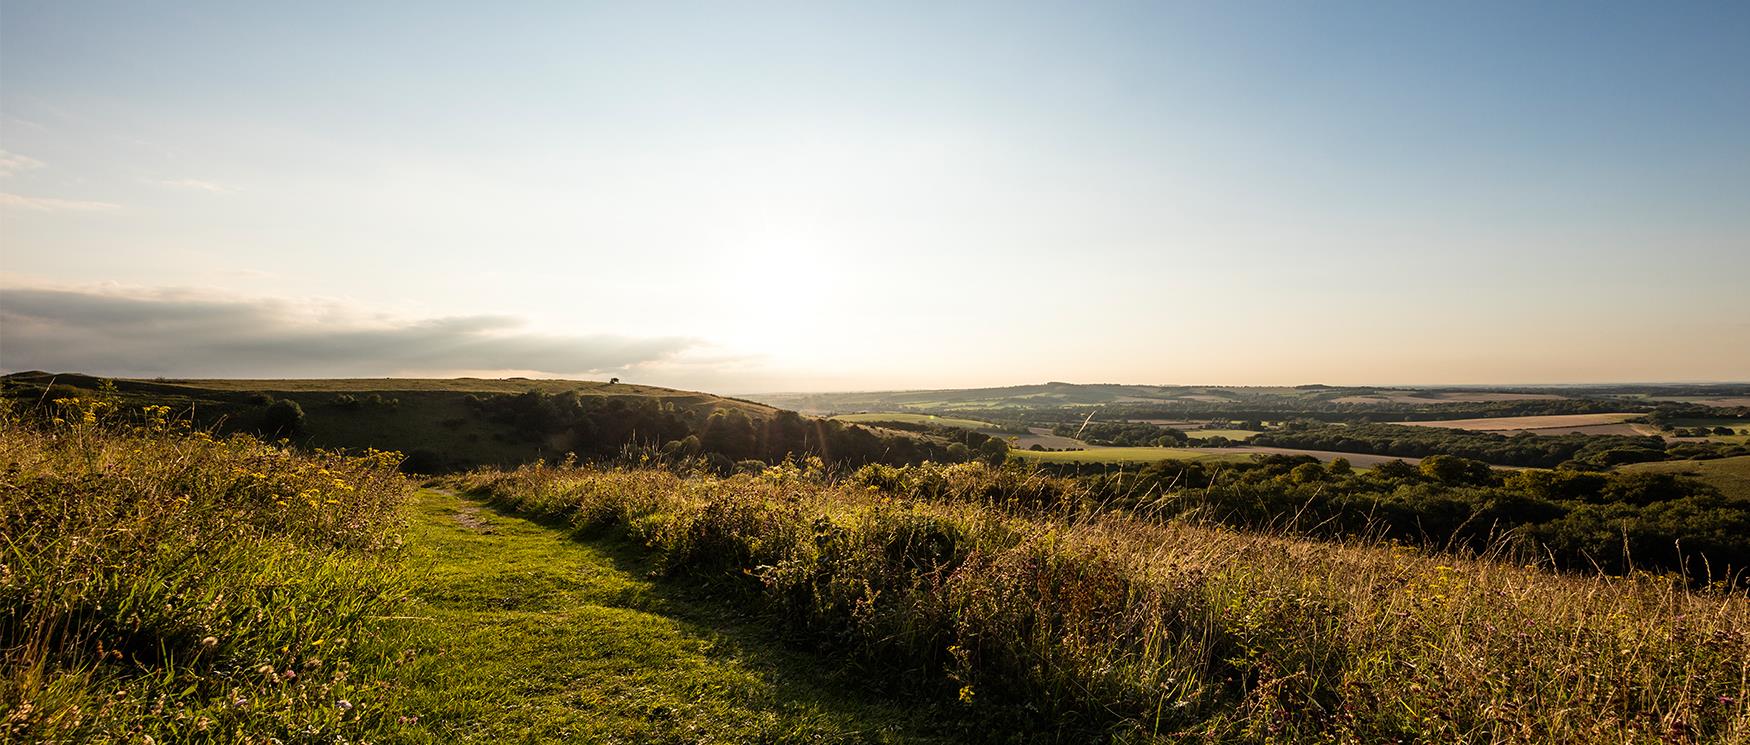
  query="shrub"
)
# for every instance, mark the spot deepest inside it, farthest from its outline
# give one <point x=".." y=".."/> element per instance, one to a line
<point x="283" y="418"/>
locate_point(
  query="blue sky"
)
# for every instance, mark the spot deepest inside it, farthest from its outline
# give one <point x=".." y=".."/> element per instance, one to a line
<point x="766" y="196"/>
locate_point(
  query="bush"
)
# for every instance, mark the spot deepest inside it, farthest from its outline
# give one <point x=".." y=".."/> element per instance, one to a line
<point x="283" y="418"/>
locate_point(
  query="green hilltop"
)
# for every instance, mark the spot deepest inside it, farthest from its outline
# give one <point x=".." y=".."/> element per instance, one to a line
<point x="454" y="424"/>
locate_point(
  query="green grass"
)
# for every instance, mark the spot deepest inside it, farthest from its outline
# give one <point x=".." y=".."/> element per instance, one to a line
<point x="913" y="418"/>
<point x="1081" y="627"/>
<point x="1231" y="434"/>
<point x="1128" y="455"/>
<point x="1730" y="475"/>
<point x="162" y="584"/>
<point x="555" y="639"/>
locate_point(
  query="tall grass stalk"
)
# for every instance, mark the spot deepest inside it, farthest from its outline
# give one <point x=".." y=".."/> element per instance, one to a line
<point x="1080" y="624"/>
<point x="160" y="584"/>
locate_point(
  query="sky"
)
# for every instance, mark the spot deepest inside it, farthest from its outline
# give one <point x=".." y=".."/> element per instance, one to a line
<point x="756" y="197"/>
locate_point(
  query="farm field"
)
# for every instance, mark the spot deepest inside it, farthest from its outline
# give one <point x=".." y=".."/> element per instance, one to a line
<point x="915" y="418"/>
<point x="1430" y="397"/>
<point x="1723" y="401"/>
<point x="1043" y="437"/>
<point x="1730" y="475"/>
<point x="1563" y="422"/>
<point x="1231" y="434"/>
<point x="1234" y="454"/>
<point x="1097" y="454"/>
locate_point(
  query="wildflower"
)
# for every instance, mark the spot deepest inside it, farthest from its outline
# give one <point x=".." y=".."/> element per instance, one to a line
<point x="966" y="694"/>
<point x="343" y="705"/>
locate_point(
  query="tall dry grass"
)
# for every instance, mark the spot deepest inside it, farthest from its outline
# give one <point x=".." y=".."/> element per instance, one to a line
<point x="162" y="585"/>
<point x="1108" y="627"/>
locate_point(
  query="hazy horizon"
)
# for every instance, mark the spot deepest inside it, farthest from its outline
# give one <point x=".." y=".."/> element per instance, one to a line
<point x="832" y="197"/>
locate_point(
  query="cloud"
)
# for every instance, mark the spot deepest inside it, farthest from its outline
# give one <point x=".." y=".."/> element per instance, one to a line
<point x="50" y="204"/>
<point x="167" y="332"/>
<point x="11" y="163"/>
<point x="195" y="184"/>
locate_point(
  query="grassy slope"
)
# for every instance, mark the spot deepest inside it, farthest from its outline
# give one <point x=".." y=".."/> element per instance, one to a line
<point x="431" y="414"/>
<point x="557" y="639"/>
<point x="1177" y="633"/>
<point x="1730" y="475"/>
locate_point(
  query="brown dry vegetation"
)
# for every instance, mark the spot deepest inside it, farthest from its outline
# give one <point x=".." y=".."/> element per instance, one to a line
<point x="161" y="584"/>
<point x="1112" y="627"/>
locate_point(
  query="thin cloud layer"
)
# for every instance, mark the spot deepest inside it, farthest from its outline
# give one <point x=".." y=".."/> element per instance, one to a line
<point x="196" y="185"/>
<point x="180" y="333"/>
<point x="51" y="204"/>
<point x="11" y="163"/>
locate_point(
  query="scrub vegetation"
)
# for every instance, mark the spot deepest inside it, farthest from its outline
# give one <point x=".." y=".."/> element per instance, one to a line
<point x="1075" y="625"/>
<point x="167" y="581"/>
<point x="160" y="584"/>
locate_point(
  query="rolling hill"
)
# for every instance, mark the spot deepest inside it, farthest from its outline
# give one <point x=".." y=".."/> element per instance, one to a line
<point x="455" y="424"/>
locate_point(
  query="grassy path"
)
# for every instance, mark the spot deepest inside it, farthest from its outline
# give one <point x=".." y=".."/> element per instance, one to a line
<point x="528" y="635"/>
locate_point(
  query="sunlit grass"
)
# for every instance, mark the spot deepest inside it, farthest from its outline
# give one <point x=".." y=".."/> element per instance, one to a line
<point x="1114" y="627"/>
<point x="159" y="583"/>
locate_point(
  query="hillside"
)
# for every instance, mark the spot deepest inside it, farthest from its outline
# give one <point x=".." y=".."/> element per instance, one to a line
<point x="1143" y="401"/>
<point x="160" y="576"/>
<point x="454" y="424"/>
<point x="1730" y="475"/>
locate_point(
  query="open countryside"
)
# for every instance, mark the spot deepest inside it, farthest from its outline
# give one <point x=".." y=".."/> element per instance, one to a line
<point x="879" y="373"/>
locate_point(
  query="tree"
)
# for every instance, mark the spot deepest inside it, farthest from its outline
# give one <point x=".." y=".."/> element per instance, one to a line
<point x="730" y="432"/>
<point x="612" y="381"/>
<point x="283" y="418"/>
<point x="1307" y="473"/>
<point x="995" y="451"/>
<point x="1394" y="468"/>
<point x="1455" y="471"/>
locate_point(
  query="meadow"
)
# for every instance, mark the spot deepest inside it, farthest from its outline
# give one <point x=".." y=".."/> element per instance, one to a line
<point x="161" y="584"/>
<point x="1100" y="627"/>
<point x="1730" y="475"/>
<point x="168" y="583"/>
